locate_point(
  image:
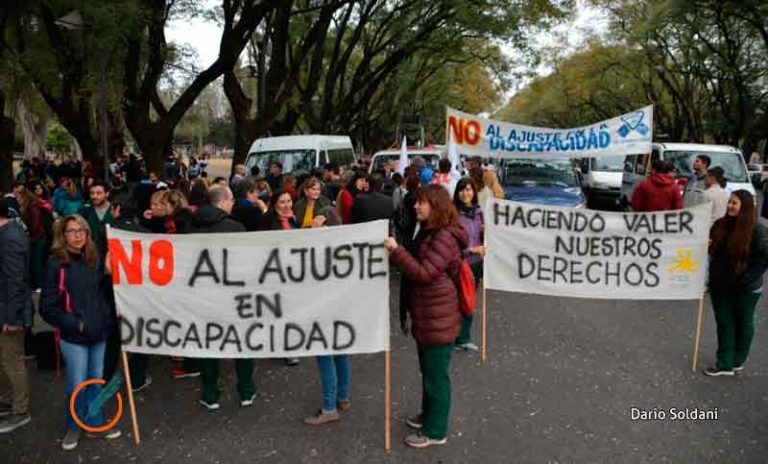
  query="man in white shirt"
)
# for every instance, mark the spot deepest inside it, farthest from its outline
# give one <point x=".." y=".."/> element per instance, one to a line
<point x="718" y="198"/>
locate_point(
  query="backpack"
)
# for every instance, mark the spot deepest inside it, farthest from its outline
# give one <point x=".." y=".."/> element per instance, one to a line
<point x="465" y="284"/>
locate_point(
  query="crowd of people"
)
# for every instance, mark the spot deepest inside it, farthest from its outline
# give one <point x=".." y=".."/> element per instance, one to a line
<point x="53" y="242"/>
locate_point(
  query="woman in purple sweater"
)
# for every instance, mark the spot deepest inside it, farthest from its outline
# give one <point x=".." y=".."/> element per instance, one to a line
<point x="471" y="219"/>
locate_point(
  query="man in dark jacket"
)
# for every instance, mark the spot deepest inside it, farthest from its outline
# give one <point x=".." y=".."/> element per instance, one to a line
<point x="658" y="192"/>
<point x="248" y="208"/>
<point x="372" y="205"/>
<point x="331" y="182"/>
<point x="275" y="175"/>
<point x="212" y="218"/>
<point x="15" y="315"/>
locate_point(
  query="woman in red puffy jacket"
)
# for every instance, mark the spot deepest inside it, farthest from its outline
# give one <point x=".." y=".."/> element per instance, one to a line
<point x="433" y="304"/>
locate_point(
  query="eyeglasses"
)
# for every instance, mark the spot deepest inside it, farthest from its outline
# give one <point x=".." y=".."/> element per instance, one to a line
<point x="75" y="232"/>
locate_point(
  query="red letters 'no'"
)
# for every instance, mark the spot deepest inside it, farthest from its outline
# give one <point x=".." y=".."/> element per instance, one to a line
<point x="160" y="252"/>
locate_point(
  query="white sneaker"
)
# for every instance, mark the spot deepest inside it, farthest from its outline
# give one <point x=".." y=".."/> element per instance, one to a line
<point x="420" y="440"/>
<point x="71" y="439"/>
<point x="249" y="401"/>
<point x="469" y="346"/>
<point x="11" y="422"/>
<point x="147" y="382"/>
<point x="110" y="434"/>
<point x="210" y="406"/>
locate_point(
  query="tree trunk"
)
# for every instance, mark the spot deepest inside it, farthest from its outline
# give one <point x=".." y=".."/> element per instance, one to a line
<point x="7" y="129"/>
<point x="155" y="144"/>
<point x="34" y="128"/>
<point x="116" y="134"/>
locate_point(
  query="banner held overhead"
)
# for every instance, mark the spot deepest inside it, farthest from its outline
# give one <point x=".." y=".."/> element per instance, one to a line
<point x="628" y="134"/>
<point x="596" y="254"/>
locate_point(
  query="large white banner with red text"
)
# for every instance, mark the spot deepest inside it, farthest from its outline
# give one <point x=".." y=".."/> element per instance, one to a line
<point x="253" y="294"/>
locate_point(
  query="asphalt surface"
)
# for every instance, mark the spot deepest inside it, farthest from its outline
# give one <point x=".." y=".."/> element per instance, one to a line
<point x="562" y="377"/>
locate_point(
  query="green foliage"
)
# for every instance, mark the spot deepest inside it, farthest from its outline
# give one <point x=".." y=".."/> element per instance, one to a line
<point x="58" y="139"/>
<point x="703" y="63"/>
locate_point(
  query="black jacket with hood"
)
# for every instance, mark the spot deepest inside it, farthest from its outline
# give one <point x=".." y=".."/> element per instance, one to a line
<point x="88" y="300"/>
<point x="15" y="294"/>
<point x="211" y="219"/>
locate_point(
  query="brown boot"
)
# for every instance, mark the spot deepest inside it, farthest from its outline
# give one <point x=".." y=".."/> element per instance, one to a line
<point x="322" y="418"/>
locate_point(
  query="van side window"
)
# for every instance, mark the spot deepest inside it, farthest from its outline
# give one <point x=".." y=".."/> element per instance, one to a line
<point x="629" y="163"/>
<point x="323" y="157"/>
<point x="341" y="156"/>
<point x="655" y="155"/>
<point x="641" y="162"/>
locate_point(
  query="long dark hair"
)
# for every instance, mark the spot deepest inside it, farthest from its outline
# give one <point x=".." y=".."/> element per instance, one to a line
<point x="740" y="239"/>
<point x="352" y="186"/>
<point x="461" y="185"/>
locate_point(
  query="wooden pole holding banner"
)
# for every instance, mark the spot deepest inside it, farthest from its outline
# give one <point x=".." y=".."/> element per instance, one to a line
<point x="697" y="338"/>
<point x="387" y="402"/>
<point x="484" y="326"/>
<point x="131" y="403"/>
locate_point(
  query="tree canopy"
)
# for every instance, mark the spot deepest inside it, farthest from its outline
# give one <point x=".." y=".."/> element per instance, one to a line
<point x="703" y="63"/>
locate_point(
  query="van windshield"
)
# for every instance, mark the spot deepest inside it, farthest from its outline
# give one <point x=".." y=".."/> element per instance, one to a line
<point x="533" y="173"/>
<point x="732" y="164"/>
<point x="294" y="161"/>
<point x="610" y="163"/>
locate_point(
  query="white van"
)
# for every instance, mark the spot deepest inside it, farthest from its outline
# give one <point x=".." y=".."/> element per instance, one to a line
<point x="381" y="158"/>
<point x="601" y="179"/>
<point x="682" y="155"/>
<point x="300" y="154"/>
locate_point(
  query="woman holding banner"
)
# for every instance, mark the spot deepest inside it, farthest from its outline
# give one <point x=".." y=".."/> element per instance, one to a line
<point x="433" y="303"/>
<point x="74" y="301"/>
<point x="168" y="213"/>
<point x="280" y="217"/>
<point x="471" y="219"/>
<point x="739" y="258"/>
<point x="334" y="370"/>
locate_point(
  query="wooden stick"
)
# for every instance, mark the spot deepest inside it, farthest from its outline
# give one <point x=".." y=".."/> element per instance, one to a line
<point x="131" y="403"/>
<point x="484" y="326"/>
<point x="697" y="339"/>
<point x="387" y="403"/>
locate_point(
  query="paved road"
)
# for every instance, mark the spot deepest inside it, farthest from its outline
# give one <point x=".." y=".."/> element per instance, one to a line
<point x="562" y="378"/>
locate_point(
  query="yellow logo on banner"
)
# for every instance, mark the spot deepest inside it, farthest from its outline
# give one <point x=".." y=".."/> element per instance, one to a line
<point x="684" y="262"/>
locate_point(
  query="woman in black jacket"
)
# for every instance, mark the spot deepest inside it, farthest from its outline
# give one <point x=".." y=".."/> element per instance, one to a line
<point x="739" y="258"/>
<point x="74" y="301"/>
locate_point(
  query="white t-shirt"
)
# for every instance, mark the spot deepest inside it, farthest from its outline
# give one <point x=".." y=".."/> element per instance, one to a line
<point x="718" y="199"/>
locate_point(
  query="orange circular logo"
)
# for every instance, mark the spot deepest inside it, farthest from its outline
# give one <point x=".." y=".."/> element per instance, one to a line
<point x="80" y="423"/>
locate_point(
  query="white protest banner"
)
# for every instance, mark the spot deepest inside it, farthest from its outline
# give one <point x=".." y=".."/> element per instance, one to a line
<point x="253" y="295"/>
<point x="628" y="134"/>
<point x="596" y="254"/>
